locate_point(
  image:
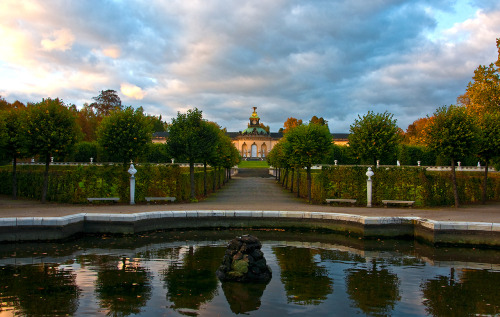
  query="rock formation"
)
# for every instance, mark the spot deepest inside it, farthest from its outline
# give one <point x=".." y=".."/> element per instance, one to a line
<point x="244" y="261"/>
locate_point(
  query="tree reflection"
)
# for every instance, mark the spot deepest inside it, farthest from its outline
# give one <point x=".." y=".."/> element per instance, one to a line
<point x="193" y="281"/>
<point x="375" y="291"/>
<point x="475" y="292"/>
<point x="41" y="289"/>
<point x="305" y="282"/>
<point x="122" y="286"/>
<point x="243" y="297"/>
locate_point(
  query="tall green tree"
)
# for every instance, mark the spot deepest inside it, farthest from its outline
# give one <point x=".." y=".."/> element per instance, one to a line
<point x="452" y="133"/>
<point x="374" y="136"/>
<point x="50" y="130"/>
<point x="489" y="143"/>
<point x="210" y="136"/>
<point x="185" y="140"/>
<point x="125" y="134"/>
<point x="309" y="144"/>
<point x="13" y="144"/>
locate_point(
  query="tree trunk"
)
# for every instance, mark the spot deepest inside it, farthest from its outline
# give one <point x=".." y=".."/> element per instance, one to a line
<point x="214" y="180"/>
<point x="485" y="184"/>
<point x="14" y="177"/>
<point x="291" y="183"/>
<point x="309" y="184"/>
<point x="454" y="181"/>
<point x="298" y="182"/>
<point x="191" y="180"/>
<point x="45" y="179"/>
<point x="205" y="179"/>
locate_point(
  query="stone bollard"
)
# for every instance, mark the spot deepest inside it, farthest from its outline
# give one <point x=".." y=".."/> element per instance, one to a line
<point x="132" y="172"/>
<point x="335" y="161"/>
<point x="369" y="173"/>
<point x="378" y="163"/>
<point x="418" y="162"/>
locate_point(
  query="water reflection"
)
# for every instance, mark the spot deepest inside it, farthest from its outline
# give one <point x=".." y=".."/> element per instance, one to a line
<point x="122" y="285"/>
<point x="164" y="273"/>
<point x="463" y="293"/>
<point x="374" y="290"/>
<point x="192" y="281"/>
<point x="243" y="297"/>
<point x="40" y="289"/>
<point x="306" y="282"/>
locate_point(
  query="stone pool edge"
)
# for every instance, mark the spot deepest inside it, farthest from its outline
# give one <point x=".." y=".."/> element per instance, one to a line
<point x="435" y="232"/>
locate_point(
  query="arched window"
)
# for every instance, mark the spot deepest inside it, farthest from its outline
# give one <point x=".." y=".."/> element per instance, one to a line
<point x="254" y="150"/>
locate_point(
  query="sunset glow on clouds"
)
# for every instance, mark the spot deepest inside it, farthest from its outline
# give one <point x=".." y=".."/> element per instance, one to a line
<point x="289" y="58"/>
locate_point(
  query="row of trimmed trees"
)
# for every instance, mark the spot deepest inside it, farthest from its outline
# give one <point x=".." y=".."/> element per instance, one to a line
<point x="452" y="133"/>
<point x="49" y="129"/>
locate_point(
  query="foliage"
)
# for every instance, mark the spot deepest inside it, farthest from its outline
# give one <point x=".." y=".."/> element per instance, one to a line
<point x="107" y="102"/>
<point x="415" y="133"/>
<point x="291" y="123"/>
<point x="452" y="133"/>
<point x="124" y="134"/>
<point x="74" y="184"/>
<point x="157" y="153"/>
<point x="320" y="121"/>
<point x="374" y="137"/>
<point x="342" y="154"/>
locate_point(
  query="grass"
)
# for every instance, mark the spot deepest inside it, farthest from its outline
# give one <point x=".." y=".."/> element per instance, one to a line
<point x="253" y="164"/>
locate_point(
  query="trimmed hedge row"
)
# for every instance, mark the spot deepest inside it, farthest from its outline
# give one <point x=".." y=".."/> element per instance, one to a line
<point x="396" y="183"/>
<point x="74" y="184"/>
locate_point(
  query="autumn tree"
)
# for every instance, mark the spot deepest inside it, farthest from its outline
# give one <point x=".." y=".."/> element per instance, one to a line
<point x="291" y="123"/>
<point x="483" y="93"/>
<point x="12" y="136"/>
<point x="374" y="136"/>
<point x="106" y="102"/>
<point x="125" y="134"/>
<point x="452" y="133"/>
<point x="309" y="145"/>
<point x="50" y="130"/>
<point x="414" y="134"/>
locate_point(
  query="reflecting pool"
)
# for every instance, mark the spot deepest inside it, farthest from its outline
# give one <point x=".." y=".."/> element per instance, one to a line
<point x="173" y="274"/>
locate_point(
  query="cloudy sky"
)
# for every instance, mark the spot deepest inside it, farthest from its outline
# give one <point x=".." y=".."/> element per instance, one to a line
<point x="335" y="59"/>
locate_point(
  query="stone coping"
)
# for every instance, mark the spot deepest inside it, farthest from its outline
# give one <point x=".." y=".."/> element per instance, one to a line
<point x="435" y="232"/>
<point x="363" y="220"/>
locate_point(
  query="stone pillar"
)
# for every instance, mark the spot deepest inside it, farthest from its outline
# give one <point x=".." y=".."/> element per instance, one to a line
<point x="132" y="172"/>
<point x="369" y="173"/>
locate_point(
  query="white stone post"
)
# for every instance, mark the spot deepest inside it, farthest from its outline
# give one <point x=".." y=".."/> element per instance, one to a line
<point x="418" y="162"/>
<point x="91" y="160"/>
<point x="378" y="163"/>
<point x="132" y="172"/>
<point x="369" y="173"/>
<point x="398" y="163"/>
<point x="335" y="161"/>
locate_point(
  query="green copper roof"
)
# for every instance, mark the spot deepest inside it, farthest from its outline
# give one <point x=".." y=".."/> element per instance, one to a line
<point x="258" y="130"/>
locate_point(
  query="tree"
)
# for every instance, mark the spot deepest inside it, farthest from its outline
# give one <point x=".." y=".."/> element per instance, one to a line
<point x="320" y="121"/>
<point x="107" y="102"/>
<point x="210" y="136"/>
<point x="185" y="141"/>
<point x="124" y="134"/>
<point x="13" y="145"/>
<point x="489" y="143"/>
<point x="374" y="136"/>
<point x="51" y="129"/>
<point x="309" y="144"/>
<point x="291" y="123"/>
<point x="414" y="135"/>
<point x="452" y="133"/>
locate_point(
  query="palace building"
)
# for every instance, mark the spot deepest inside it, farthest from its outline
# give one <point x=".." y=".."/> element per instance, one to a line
<point x="254" y="142"/>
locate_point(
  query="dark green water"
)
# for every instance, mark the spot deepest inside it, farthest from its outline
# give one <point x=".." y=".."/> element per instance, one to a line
<point x="173" y="274"/>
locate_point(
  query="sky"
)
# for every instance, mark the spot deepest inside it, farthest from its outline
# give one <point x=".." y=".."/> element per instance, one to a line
<point x="336" y="59"/>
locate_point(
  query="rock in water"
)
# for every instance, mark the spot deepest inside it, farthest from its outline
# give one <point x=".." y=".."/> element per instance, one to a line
<point x="244" y="261"/>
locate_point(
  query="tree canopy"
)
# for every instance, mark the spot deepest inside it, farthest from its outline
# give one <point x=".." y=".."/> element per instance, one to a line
<point x="107" y="102"/>
<point x="124" y="134"/>
<point x="374" y="136"/>
<point x="452" y="133"/>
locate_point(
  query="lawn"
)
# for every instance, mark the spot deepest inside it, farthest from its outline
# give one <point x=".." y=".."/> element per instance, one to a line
<point x="253" y="164"/>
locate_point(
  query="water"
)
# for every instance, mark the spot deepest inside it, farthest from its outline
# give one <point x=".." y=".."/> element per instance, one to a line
<point x="173" y="274"/>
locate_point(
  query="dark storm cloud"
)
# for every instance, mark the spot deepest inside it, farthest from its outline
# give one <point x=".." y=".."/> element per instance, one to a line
<point x="334" y="59"/>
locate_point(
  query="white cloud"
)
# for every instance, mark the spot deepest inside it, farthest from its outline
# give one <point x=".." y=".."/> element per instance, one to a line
<point x="59" y="40"/>
<point x="112" y="51"/>
<point x="132" y="91"/>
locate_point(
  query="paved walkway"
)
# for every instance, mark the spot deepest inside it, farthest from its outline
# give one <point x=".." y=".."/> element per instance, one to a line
<point x="250" y="190"/>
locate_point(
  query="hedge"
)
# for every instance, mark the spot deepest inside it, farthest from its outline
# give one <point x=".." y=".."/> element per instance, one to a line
<point x="74" y="184"/>
<point x="396" y="183"/>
